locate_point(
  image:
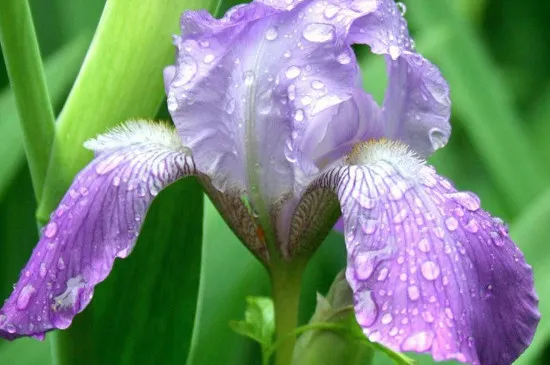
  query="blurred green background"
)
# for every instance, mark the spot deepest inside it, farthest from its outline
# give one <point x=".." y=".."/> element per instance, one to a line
<point x="495" y="55"/>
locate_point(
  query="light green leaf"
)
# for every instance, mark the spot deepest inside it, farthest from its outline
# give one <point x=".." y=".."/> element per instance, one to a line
<point x="259" y="321"/>
<point x="482" y="102"/>
<point x="144" y="312"/>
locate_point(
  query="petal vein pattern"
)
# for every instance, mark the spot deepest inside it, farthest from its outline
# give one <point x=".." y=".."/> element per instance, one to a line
<point x="430" y="270"/>
<point x="97" y="220"/>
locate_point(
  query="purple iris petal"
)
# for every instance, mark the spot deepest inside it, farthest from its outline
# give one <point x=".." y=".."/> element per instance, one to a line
<point x="430" y="270"/>
<point x="248" y="89"/>
<point x="97" y="220"/>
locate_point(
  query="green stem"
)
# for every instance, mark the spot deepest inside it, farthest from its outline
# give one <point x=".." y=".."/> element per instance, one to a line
<point x="286" y="281"/>
<point x="26" y="73"/>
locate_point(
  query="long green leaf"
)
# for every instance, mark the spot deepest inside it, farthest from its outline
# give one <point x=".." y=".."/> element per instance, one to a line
<point x="60" y="70"/>
<point x="28" y="82"/>
<point x="144" y="312"/>
<point x="482" y="102"/>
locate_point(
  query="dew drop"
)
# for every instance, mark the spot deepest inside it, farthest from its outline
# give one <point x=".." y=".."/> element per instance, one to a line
<point x="437" y="138"/>
<point x="248" y="78"/>
<point x="10" y="328"/>
<point x="369" y="225"/>
<point x="401" y="216"/>
<point x="424" y="245"/>
<point x="208" y="58"/>
<point x="271" y="34"/>
<point x="331" y="11"/>
<point x="386" y="318"/>
<point x="292" y="72"/>
<point x="186" y="71"/>
<point x="43" y="270"/>
<point x="25" y="296"/>
<point x="383" y="274"/>
<point x="428" y="317"/>
<point x="51" y="230"/>
<point x="366" y="310"/>
<point x="230" y="106"/>
<point x="317" y="85"/>
<point x="449" y="313"/>
<point x="265" y="102"/>
<point x="394" y="52"/>
<point x="287" y="53"/>
<point x="472" y="226"/>
<point x="364" y="265"/>
<point x="299" y="115"/>
<point x="319" y="32"/>
<point x="413" y="292"/>
<point x="402" y="8"/>
<point x="61" y="264"/>
<point x="466" y="199"/>
<point x="395" y="192"/>
<point x="116" y="181"/>
<point x="344" y="58"/>
<point x="419" y="342"/>
<point x="451" y="223"/>
<point x="430" y="270"/>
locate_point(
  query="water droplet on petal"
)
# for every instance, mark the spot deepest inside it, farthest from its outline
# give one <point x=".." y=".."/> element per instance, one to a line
<point x="248" y="78"/>
<point x="451" y="223"/>
<point x="386" y="318"/>
<point x="299" y="115"/>
<point x="25" y="296"/>
<point x="394" y="52"/>
<point x="51" y="230"/>
<point x="418" y="342"/>
<point x="271" y="34"/>
<point x="383" y="274"/>
<point x="61" y="264"/>
<point x="428" y="317"/>
<point x="292" y="72"/>
<point x="366" y="310"/>
<point x="402" y="8"/>
<point x="208" y="58"/>
<point x="265" y="102"/>
<point x="466" y="199"/>
<point x="437" y="138"/>
<point x="344" y="58"/>
<point x="472" y="226"/>
<point x="424" y="245"/>
<point x="430" y="270"/>
<point x="413" y="292"/>
<point x="319" y="32"/>
<point x="369" y="225"/>
<point x="230" y="106"/>
<point x="364" y="265"/>
<point x="331" y="11"/>
<point x="187" y="69"/>
<point x="401" y="216"/>
<point x="317" y="85"/>
<point x="43" y="270"/>
<point x="10" y="328"/>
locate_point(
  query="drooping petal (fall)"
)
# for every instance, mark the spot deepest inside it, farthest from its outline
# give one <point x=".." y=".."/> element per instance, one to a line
<point x="97" y="220"/>
<point x="430" y="270"/>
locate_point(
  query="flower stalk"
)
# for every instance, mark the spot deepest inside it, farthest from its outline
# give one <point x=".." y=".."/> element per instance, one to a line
<point x="286" y="280"/>
<point x="26" y="74"/>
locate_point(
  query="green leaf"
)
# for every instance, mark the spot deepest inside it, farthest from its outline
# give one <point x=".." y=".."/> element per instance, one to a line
<point x="60" y="70"/>
<point x="259" y="321"/>
<point x="144" y="313"/>
<point x="28" y="82"/>
<point x="482" y="102"/>
<point x="26" y="351"/>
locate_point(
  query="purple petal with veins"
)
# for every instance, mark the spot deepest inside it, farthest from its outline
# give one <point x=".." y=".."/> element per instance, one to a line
<point x="98" y="220"/>
<point x="430" y="270"/>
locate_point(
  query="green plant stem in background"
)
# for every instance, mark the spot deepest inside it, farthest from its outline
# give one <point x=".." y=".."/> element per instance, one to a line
<point x="286" y="280"/>
<point x="121" y="79"/>
<point x="24" y="66"/>
<point x="482" y="103"/>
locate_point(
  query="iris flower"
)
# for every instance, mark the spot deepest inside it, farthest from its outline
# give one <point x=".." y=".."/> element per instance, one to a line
<point x="270" y="117"/>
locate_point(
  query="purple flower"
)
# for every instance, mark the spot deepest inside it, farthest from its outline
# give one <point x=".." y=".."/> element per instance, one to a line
<point x="270" y="117"/>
